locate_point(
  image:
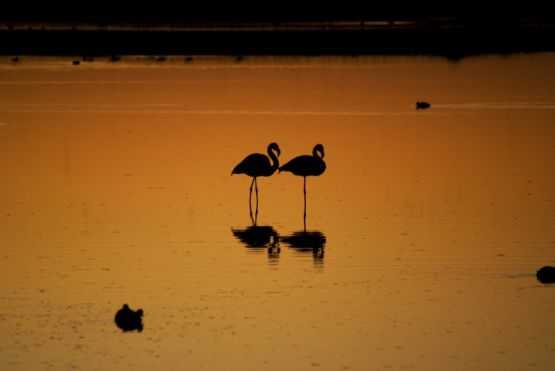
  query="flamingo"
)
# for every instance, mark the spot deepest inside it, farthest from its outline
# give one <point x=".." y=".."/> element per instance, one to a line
<point x="306" y="166"/>
<point x="255" y="165"/>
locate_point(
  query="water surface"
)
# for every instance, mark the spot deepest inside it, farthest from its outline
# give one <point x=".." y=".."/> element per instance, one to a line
<point x="422" y="237"/>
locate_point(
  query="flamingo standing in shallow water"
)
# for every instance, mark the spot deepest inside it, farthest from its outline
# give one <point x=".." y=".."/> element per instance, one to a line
<point x="255" y="165"/>
<point x="306" y="166"/>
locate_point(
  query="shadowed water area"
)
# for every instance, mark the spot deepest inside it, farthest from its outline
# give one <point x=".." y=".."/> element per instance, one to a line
<point x="422" y="236"/>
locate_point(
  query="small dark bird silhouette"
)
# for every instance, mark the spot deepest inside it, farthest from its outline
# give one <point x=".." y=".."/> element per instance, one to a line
<point x="422" y="105"/>
<point x="546" y="274"/>
<point x="129" y="320"/>
<point x="255" y="165"/>
<point x="306" y="166"/>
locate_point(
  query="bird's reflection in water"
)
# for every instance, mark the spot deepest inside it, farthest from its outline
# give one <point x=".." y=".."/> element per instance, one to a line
<point x="259" y="237"/>
<point x="307" y="242"/>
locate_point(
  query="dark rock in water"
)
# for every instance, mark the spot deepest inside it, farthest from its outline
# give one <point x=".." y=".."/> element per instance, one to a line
<point x="422" y="105"/>
<point x="546" y="275"/>
<point x="129" y="320"/>
<point x="76" y="63"/>
<point x="114" y="58"/>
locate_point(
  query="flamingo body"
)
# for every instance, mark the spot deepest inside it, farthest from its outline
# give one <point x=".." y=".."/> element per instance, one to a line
<point x="306" y="165"/>
<point x="255" y="165"/>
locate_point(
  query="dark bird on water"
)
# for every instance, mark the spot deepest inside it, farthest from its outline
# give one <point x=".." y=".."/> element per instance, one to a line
<point x="257" y="164"/>
<point x="546" y="274"/>
<point x="422" y="105"/>
<point x="128" y="319"/>
<point x="307" y="166"/>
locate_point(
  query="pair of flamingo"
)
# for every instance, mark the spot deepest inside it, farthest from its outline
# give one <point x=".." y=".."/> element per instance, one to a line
<point x="257" y="164"/>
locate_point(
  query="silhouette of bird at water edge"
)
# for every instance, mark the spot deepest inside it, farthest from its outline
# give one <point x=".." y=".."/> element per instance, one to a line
<point x="546" y="274"/>
<point x="257" y="164"/>
<point x="422" y="105"/>
<point x="128" y="319"/>
<point x="306" y="165"/>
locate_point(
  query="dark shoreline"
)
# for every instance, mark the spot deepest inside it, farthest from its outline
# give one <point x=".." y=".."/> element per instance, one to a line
<point x="448" y="39"/>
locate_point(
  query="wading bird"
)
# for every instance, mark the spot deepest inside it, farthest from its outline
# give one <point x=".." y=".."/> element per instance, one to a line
<point x="255" y="165"/>
<point x="306" y="166"/>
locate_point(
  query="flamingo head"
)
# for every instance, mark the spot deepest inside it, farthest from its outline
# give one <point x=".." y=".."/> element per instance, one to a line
<point x="318" y="149"/>
<point x="274" y="147"/>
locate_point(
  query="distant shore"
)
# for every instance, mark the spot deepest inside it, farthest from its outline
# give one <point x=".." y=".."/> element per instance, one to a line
<point x="453" y="39"/>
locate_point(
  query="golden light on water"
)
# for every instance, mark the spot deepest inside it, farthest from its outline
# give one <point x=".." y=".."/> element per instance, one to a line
<point x="116" y="188"/>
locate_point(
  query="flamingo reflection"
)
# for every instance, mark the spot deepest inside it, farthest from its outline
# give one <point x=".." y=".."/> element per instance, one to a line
<point x="307" y="242"/>
<point x="256" y="236"/>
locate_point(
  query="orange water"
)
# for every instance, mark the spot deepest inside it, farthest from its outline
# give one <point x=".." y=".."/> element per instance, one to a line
<point x="116" y="188"/>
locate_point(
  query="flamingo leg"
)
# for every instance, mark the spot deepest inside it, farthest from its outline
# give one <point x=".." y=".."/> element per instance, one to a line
<point x="304" y="192"/>
<point x="256" y="189"/>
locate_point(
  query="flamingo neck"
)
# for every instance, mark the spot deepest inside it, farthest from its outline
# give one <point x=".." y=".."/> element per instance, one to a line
<point x="273" y="157"/>
<point x="316" y="153"/>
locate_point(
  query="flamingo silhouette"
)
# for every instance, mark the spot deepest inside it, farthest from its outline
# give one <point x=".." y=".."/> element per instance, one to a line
<point x="306" y="166"/>
<point x="255" y="165"/>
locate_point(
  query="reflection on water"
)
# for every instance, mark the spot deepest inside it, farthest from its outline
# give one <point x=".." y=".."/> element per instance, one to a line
<point x="115" y="184"/>
<point x="257" y="237"/>
<point x="307" y="242"/>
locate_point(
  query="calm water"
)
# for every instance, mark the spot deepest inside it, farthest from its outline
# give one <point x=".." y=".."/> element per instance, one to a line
<point x="425" y="230"/>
